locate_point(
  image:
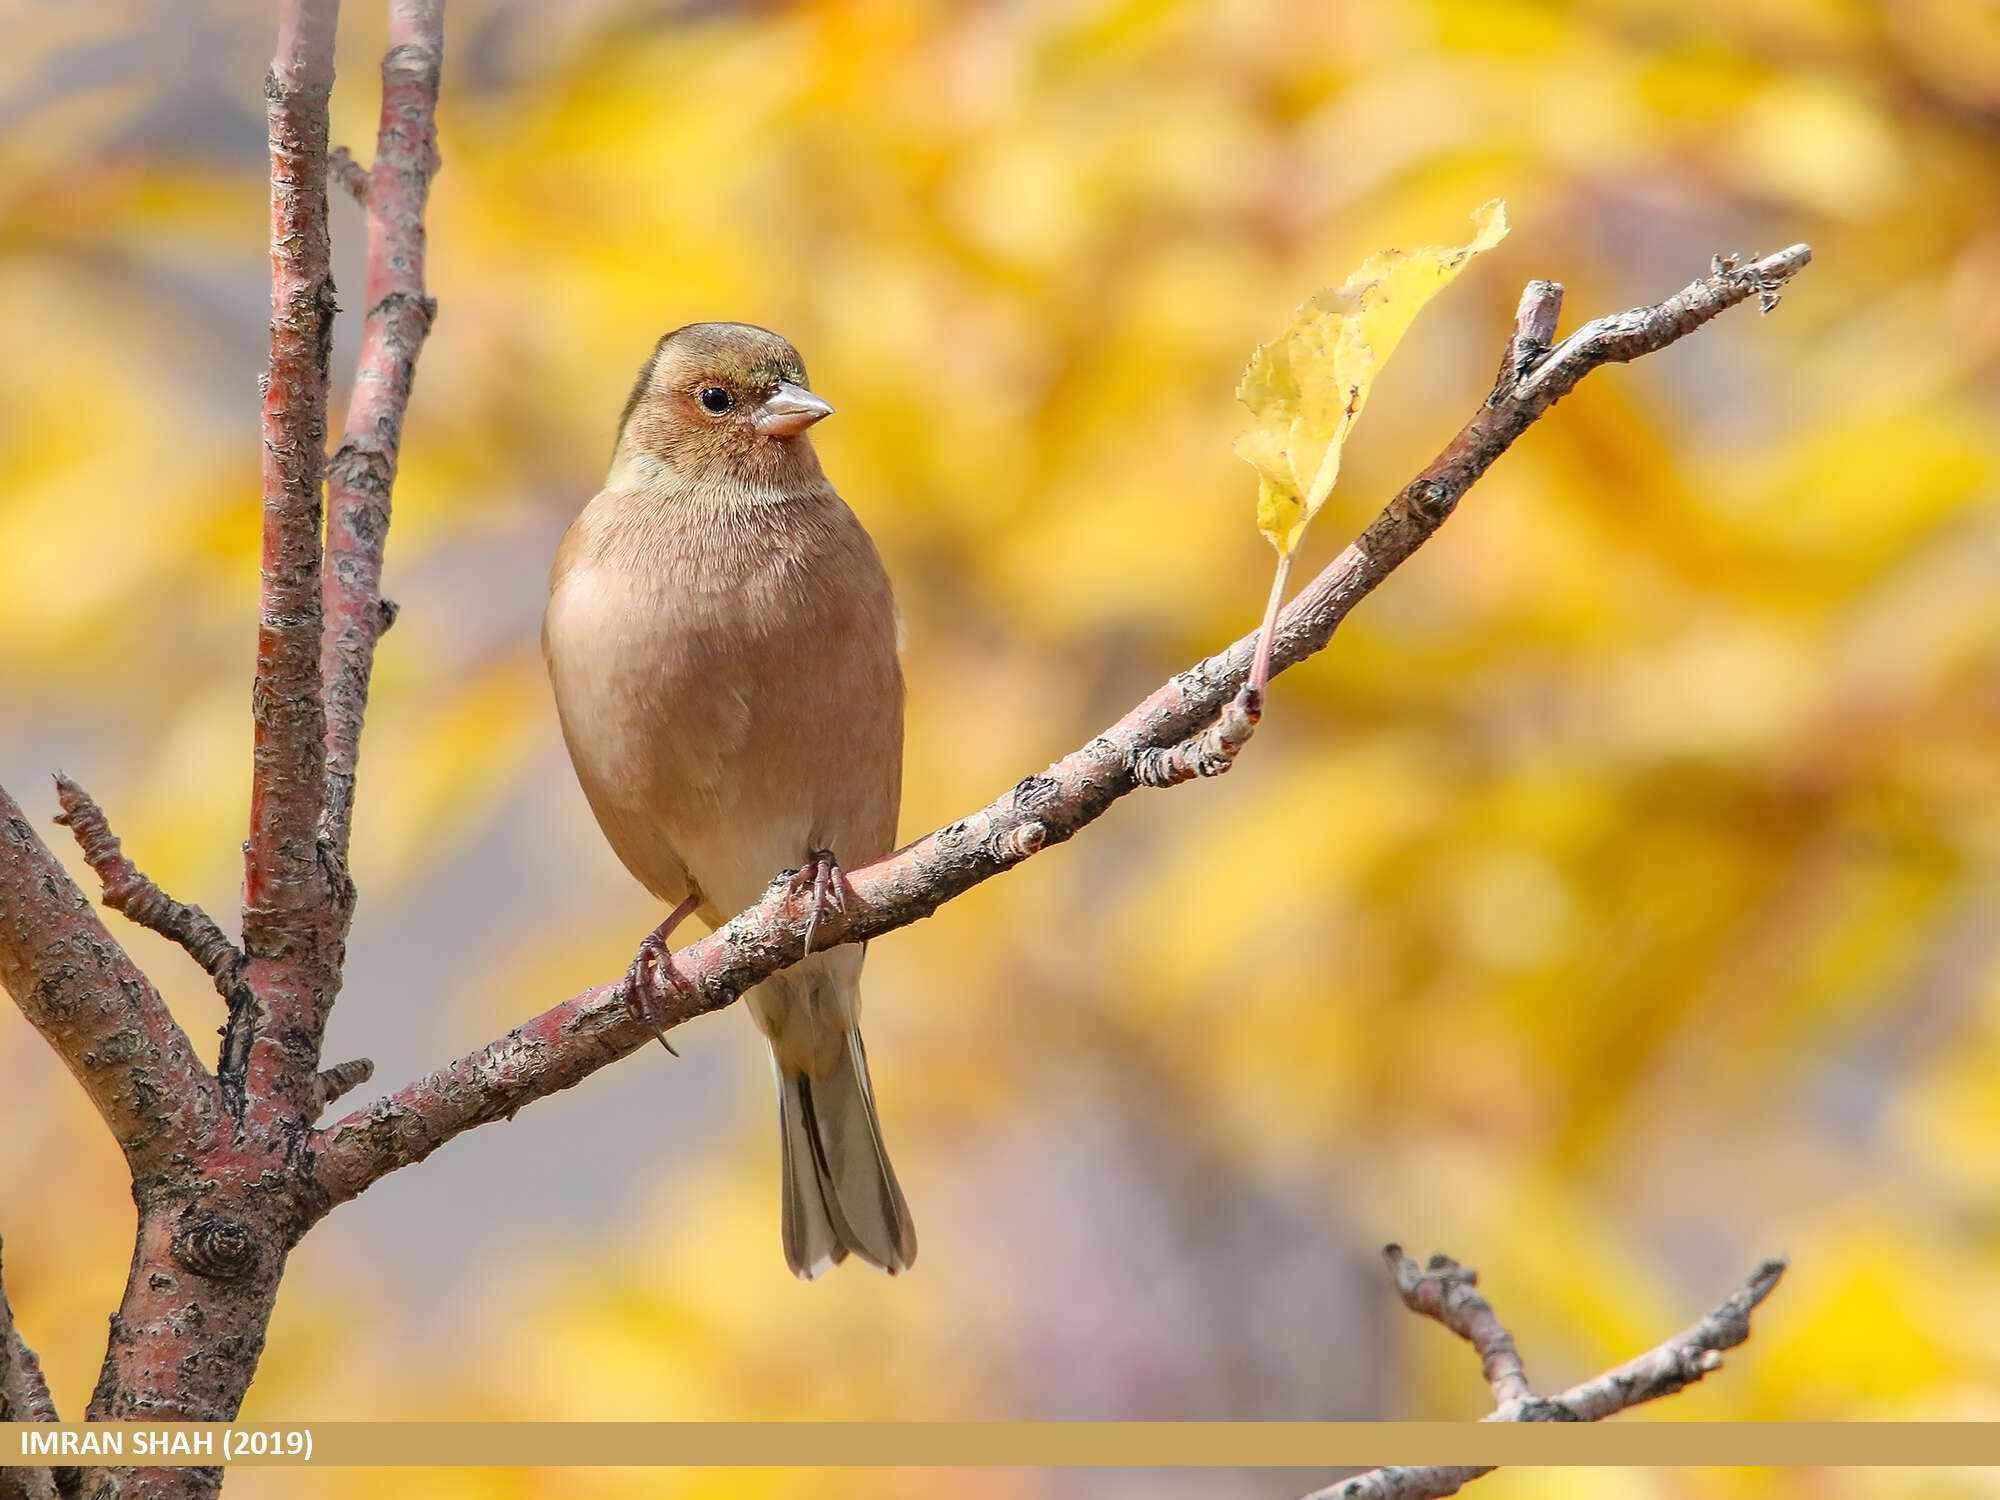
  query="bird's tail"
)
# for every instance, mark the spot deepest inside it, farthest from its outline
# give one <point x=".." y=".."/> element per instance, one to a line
<point x="840" y="1191"/>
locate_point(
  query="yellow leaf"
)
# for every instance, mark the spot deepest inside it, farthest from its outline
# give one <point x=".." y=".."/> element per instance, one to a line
<point x="1307" y="386"/>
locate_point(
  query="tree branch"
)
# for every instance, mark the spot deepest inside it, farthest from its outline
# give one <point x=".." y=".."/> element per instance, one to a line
<point x="1680" y="1361"/>
<point x="217" y="1220"/>
<point x="284" y="884"/>
<point x="1447" y="1291"/>
<point x="1444" y="1290"/>
<point x="363" y="470"/>
<point x="91" y="1004"/>
<point x="24" y="1397"/>
<point x="127" y="890"/>
<point x="566" y="1044"/>
<point x="31" y="1483"/>
<point x="348" y="174"/>
<point x="24" y="1393"/>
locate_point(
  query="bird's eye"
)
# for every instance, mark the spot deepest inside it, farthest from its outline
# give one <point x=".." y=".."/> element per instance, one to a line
<point x="714" y="398"/>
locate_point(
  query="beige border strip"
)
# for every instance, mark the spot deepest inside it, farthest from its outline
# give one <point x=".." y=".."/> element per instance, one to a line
<point x="1315" y="1445"/>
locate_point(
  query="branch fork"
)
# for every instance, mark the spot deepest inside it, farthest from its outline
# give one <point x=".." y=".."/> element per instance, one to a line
<point x="218" y="1173"/>
<point x="1448" y="1292"/>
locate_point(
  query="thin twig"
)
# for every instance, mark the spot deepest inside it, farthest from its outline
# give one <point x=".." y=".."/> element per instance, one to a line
<point x="1448" y="1292"/>
<point x="128" y="891"/>
<point x="1444" y="1290"/>
<point x="569" y="1042"/>
<point x="94" y="1007"/>
<point x="1681" y="1360"/>
<point x="348" y="174"/>
<point x="362" y="472"/>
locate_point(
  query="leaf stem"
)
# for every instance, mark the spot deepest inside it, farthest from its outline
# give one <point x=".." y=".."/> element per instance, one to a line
<point x="1260" y="665"/>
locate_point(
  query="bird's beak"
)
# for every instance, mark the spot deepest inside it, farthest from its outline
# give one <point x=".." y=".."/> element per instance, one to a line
<point x="788" y="410"/>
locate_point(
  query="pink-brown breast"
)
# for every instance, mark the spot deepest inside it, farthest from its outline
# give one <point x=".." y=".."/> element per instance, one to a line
<point x="725" y="671"/>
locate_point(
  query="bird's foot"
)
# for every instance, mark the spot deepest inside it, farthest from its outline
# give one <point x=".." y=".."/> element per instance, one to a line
<point x="652" y="976"/>
<point x="821" y="873"/>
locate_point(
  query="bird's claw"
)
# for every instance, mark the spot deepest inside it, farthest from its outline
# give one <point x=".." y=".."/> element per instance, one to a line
<point x="653" y="975"/>
<point x="822" y="874"/>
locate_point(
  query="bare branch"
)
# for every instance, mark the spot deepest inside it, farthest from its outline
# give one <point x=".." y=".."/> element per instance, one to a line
<point x="24" y="1393"/>
<point x="24" y="1397"/>
<point x="363" y="470"/>
<point x="1680" y="1361"/>
<point x="291" y="960"/>
<point x="1628" y="335"/>
<point x="91" y="1004"/>
<point x="37" y="1482"/>
<point x="213" y="1232"/>
<point x="282" y="858"/>
<point x="566" y="1044"/>
<point x="127" y="890"/>
<point x="1444" y="1290"/>
<point x="1447" y="1291"/>
<point x="1428" y="1482"/>
<point x="347" y="174"/>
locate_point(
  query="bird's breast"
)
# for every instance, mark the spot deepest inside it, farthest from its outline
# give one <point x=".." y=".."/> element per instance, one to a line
<point x="731" y="702"/>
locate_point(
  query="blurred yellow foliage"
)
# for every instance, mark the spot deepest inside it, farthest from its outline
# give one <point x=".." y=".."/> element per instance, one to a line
<point x="1616" y="902"/>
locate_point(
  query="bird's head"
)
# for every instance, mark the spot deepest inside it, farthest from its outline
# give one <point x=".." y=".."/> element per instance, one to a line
<point x="722" y="402"/>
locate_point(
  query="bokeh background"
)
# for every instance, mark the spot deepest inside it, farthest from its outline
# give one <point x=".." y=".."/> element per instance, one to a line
<point x="1615" y="903"/>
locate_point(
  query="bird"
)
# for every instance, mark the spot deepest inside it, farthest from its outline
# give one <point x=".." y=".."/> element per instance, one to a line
<point x="723" y="644"/>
